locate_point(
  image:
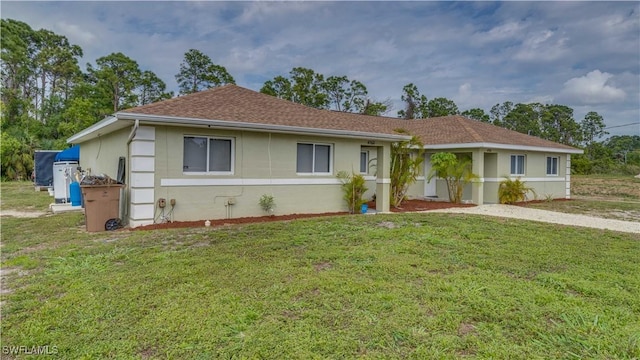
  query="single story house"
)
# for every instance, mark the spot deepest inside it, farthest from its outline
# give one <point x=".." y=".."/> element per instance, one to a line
<point x="216" y="152"/>
<point x="496" y="154"/>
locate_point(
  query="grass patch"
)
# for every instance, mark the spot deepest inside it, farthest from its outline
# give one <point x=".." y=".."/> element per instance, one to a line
<point x="21" y="196"/>
<point x="392" y="286"/>
<point x="385" y="286"/>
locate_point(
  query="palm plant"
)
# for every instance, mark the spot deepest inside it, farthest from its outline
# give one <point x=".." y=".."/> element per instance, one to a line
<point x="455" y="171"/>
<point x="512" y="191"/>
<point x="406" y="165"/>
<point x="353" y="187"/>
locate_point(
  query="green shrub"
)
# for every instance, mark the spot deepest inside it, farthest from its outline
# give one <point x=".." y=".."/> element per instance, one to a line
<point x="353" y="187"/>
<point x="512" y="191"/>
<point x="17" y="158"/>
<point x="267" y="203"/>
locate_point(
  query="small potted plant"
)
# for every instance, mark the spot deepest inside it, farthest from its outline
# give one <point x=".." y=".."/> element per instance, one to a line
<point x="267" y="203"/>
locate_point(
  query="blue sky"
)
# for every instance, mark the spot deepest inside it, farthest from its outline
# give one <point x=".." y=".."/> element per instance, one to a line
<point x="582" y="54"/>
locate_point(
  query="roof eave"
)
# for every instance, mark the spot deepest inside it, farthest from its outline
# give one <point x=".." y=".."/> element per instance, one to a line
<point x="238" y="125"/>
<point x="102" y="127"/>
<point x="484" y="145"/>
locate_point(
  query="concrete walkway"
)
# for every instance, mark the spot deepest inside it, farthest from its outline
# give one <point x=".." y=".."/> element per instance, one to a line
<point x="525" y="213"/>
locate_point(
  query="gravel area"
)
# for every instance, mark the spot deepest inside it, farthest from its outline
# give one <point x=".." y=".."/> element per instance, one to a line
<point x="519" y="212"/>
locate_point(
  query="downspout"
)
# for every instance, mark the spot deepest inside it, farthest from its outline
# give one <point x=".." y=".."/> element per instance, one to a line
<point x="126" y="195"/>
<point x="133" y="133"/>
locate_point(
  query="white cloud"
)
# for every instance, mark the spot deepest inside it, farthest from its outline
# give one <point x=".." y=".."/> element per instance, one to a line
<point x="542" y="46"/>
<point x="476" y="53"/>
<point x="506" y="31"/>
<point x="464" y="90"/>
<point x="542" y="99"/>
<point x="75" y="33"/>
<point x="593" y="88"/>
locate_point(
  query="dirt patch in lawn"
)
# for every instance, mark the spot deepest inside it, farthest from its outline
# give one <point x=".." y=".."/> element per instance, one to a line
<point x="407" y="206"/>
<point x="624" y="188"/>
<point x="22" y="214"/>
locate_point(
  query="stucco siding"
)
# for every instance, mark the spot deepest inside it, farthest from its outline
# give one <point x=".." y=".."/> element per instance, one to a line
<point x="535" y="175"/>
<point x="497" y="166"/>
<point x="263" y="163"/>
<point x="101" y="155"/>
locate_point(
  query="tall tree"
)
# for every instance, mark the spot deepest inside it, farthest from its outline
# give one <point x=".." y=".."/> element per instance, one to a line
<point x="116" y="76"/>
<point x="442" y="107"/>
<point x="624" y="148"/>
<point x="592" y="127"/>
<point x="477" y="114"/>
<point x="499" y="111"/>
<point x="416" y="105"/>
<point x="17" y="70"/>
<point x="307" y="88"/>
<point x="198" y="72"/>
<point x="376" y="108"/>
<point x="304" y="86"/>
<point x="279" y="87"/>
<point x="152" y="89"/>
<point x="522" y="118"/>
<point x="56" y="65"/>
<point x="557" y="124"/>
<point x="345" y="95"/>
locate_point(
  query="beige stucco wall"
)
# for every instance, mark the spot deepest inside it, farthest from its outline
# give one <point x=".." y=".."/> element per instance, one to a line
<point x="535" y="175"/>
<point x="263" y="164"/>
<point x="497" y="165"/>
<point x="101" y="155"/>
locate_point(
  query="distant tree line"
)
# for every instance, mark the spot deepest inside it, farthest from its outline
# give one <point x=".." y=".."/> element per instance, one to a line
<point x="46" y="97"/>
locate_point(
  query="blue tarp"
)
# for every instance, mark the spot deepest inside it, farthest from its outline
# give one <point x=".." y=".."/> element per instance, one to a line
<point x="70" y="154"/>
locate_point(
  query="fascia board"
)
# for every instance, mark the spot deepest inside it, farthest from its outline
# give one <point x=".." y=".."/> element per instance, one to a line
<point x="76" y="138"/>
<point x="238" y="125"/>
<point x="502" y="147"/>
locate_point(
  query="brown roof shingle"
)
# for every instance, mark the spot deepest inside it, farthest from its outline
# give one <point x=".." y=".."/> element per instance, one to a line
<point x="234" y="103"/>
<point x="461" y="130"/>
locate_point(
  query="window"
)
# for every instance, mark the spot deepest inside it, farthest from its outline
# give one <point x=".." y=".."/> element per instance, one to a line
<point x="517" y="164"/>
<point x="364" y="161"/>
<point x="208" y="155"/>
<point x="314" y="159"/>
<point x="552" y="165"/>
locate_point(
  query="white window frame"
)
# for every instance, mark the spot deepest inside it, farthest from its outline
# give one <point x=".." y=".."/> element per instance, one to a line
<point x="557" y="168"/>
<point x="524" y="164"/>
<point x="313" y="159"/>
<point x="366" y="162"/>
<point x="209" y="138"/>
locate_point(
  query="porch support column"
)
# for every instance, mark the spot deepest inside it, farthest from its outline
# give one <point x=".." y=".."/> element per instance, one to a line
<point x="567" y="178"/>
<point x="477" y="185"/>
<point x="383" y="180"/>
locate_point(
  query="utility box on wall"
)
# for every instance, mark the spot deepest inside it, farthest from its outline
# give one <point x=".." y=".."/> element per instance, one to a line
<point x="101" y="203"/>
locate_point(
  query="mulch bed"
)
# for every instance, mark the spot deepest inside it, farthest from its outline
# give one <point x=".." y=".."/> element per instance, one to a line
<point x="407" y="206"/>
<point x="421" y="205"/>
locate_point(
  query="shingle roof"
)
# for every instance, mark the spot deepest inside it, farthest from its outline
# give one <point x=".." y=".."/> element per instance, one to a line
<point x="461" y="130"/>
<point x="234" y="103"/>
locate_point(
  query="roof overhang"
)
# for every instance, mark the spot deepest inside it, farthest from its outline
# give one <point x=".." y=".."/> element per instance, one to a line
<point x="146" y="119"/>
<point x="484" y="145"/>
<point x="102" y="127"/>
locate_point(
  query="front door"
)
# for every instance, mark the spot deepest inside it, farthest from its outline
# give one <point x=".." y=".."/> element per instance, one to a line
<point x="429" y="186"/>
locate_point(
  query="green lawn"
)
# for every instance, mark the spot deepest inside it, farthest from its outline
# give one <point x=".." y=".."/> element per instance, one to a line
<point x="384" y="286"/>
<point x="606" y="196"/>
